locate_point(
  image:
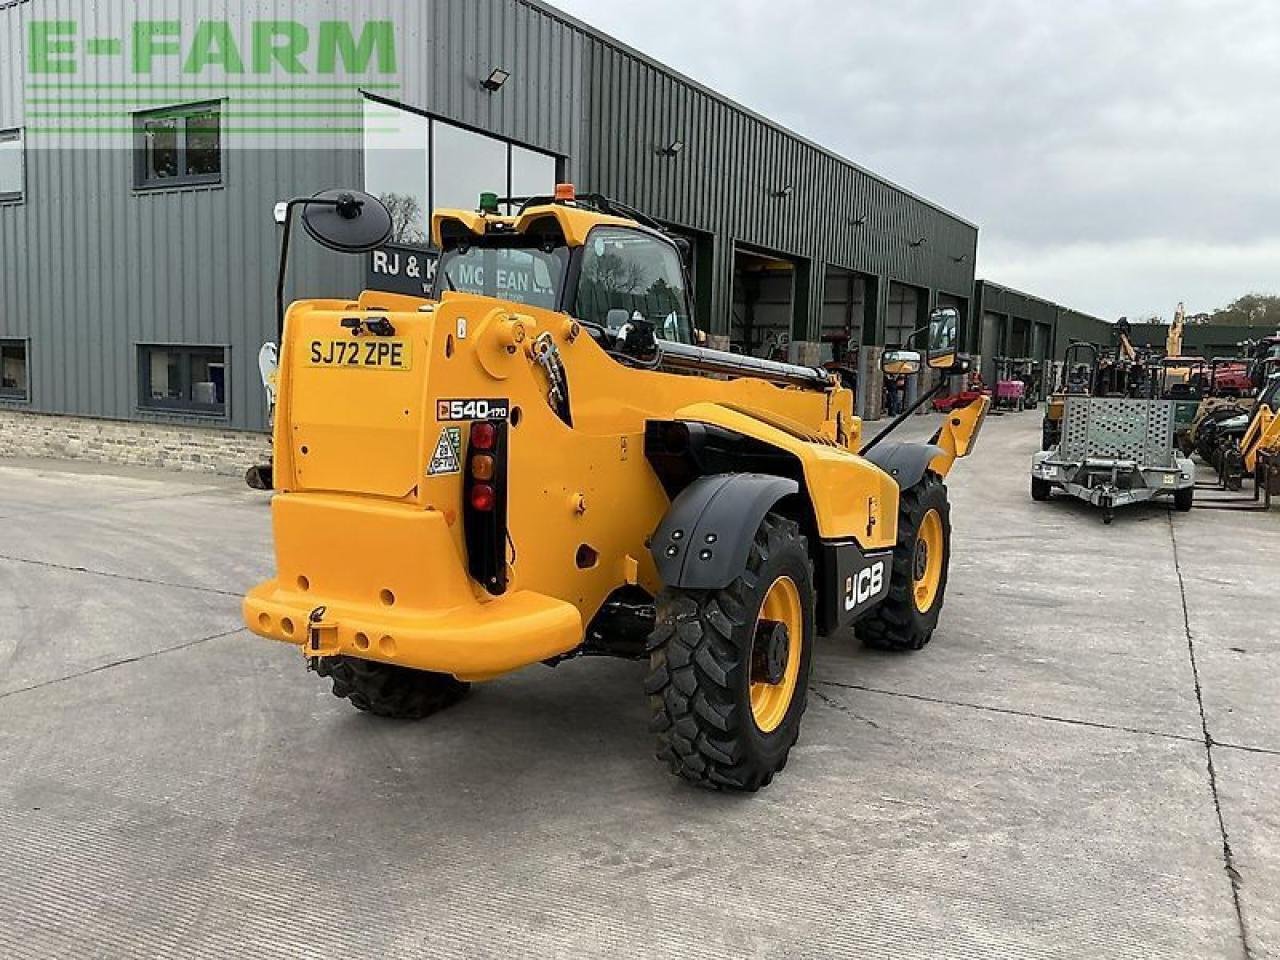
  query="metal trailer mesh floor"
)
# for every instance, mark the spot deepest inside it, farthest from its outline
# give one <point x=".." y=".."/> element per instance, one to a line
<point x="1119" y="429"/>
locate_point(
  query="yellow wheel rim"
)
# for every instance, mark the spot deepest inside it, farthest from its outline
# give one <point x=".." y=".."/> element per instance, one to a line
<point x="775" y="655"/>
<point x="927" y="562"/>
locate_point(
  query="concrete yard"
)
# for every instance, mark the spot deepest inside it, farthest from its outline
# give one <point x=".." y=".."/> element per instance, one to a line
<point x="1034" y="784"/>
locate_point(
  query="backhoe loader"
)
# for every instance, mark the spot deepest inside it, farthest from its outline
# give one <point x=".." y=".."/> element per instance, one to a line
<point x="540" y="461"/>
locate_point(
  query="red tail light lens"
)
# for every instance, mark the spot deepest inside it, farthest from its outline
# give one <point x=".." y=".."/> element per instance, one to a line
<point x="483" y="436"/>
<point x="483" y="498"/>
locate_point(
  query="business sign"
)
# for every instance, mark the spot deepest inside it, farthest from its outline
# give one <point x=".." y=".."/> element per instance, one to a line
<point x="400" y="269"/>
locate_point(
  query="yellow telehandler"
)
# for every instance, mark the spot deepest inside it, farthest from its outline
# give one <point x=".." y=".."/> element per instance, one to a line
<point x="539" y="461"/>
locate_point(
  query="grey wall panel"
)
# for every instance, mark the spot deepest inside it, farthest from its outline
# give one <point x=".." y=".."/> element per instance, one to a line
<point x="733" y="162"/>
<point x="1067" y="324"/>
<point x="13" y="59"/>
<point x="101" y="268"/>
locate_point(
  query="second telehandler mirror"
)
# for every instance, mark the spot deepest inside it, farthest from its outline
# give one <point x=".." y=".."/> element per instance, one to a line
<point x="944" y="338"/>
<point x="900" y="363"/>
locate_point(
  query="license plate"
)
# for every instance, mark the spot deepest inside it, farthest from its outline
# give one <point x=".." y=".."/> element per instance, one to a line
<point x="369" y="353"/>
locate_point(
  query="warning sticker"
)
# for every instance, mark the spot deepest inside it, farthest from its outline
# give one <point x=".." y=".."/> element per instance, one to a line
<point x="448" y="456"/>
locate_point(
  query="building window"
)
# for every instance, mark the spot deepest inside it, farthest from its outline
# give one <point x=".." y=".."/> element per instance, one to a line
<point x="179" y="146"/>
<point x="186" y="379"/>
<point x="15" y="383"/>
<point x="12" y="165"/>
<point x="415" y="165"/>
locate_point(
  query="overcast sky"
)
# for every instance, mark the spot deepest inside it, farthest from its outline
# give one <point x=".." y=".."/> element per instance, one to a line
<point x="1118" y="156"/>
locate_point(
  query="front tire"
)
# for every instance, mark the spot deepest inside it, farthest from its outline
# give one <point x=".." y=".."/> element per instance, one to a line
<point x="386" y="690"/>
<point x="1041" y="490"/>
<point x="921" y="562"/>
<point x="729" y="669"/>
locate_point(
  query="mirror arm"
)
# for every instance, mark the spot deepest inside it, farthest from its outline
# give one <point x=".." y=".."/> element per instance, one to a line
<point x="902" y="417"/>
<point x="283" y="267"/>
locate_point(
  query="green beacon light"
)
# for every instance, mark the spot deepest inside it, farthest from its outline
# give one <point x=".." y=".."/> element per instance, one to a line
<point x="488" y="203"/>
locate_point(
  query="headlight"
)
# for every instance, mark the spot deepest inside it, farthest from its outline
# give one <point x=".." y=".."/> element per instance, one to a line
<point x="1235" y="423"/>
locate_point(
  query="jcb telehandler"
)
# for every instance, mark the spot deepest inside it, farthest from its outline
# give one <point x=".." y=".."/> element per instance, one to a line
<point x="539" y="461"/>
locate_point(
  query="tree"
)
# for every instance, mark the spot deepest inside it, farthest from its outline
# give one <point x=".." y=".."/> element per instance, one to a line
<point x="406" y="218"/>
<point x="1253" y="309"/>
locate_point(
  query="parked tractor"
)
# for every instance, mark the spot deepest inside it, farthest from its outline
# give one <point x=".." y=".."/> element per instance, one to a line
<point x="540" y="462"/>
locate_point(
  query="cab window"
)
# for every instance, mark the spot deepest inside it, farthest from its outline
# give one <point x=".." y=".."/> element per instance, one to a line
<point x="627" y="272"/>
<point x="528" y="275"/>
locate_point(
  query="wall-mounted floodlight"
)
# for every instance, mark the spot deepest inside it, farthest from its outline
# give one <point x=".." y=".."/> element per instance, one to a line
<point x="672" y="149"/>
<point x="919" y="242"/>
<point x="786" y="191"/>
<point x="858" y="221"/>
<point x="963" y="258"/>
<point x="494" y="82"/>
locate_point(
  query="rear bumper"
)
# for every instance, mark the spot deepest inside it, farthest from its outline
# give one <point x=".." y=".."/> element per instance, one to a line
<point x="471" y="643"/>
<point x="386" y="582"/>
<point x="1120" y="482"/>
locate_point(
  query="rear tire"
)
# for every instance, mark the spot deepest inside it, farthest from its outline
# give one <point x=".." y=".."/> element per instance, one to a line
<point x="907" y="619"/>
<point x="720" y="721"/>
<point x="386" y="690"/>
<point x="1184" y="500"/>
<point x="1041" y="490"/>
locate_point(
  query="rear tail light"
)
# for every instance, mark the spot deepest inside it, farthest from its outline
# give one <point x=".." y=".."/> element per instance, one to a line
<point x="485" y="504"/>
<point x="482" y="498"/>
<point x="484" y="435"/>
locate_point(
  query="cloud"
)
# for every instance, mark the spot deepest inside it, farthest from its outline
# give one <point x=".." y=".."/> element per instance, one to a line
<point x="1124" y="126"/>
<point x="1099" y="278"/>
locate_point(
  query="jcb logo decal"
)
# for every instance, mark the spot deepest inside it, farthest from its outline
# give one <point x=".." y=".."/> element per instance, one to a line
<point x="864" y="586"/>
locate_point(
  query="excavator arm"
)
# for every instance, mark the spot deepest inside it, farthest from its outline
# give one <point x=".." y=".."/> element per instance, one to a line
<point x="1263" y="436"/>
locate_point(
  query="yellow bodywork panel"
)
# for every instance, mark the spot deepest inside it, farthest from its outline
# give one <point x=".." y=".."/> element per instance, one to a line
<point x="574" y="222"/>
<point x="959" y="434"/>
<point x="849" y="494"/>
<point x="359" y="518"/>
<point x="1263" y="435"/>
<point x="369" y="453"/>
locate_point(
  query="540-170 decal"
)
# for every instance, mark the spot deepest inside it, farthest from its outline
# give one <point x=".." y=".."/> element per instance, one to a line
<point x="470" y="408"/>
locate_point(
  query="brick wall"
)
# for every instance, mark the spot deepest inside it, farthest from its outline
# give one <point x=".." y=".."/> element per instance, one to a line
<point x="190" y="449"/>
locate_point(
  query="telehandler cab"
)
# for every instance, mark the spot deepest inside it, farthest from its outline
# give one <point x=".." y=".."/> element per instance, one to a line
<point x="540" y="462"/>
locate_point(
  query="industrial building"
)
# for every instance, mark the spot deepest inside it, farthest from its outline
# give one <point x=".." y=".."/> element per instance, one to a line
<point x="138" y="250"/>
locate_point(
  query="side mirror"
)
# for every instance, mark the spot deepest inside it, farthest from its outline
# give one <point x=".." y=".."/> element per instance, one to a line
<point x="944" y="339"/>
<point x="901" y="363"/>
<point x="616" y="319"/>
<point x="348" y="221"/>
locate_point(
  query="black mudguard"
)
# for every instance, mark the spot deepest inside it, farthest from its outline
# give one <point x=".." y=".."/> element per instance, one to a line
<point x="705" y="539"/>
<point x="905" y="462"/>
